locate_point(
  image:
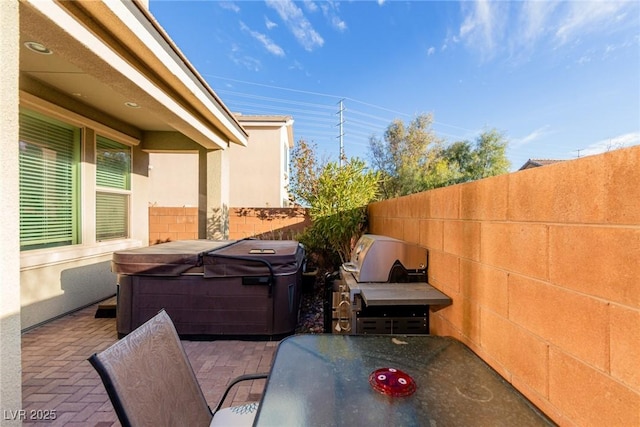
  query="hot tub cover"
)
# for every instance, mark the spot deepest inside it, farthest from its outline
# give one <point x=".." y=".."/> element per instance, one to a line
<point x="165" y="259"/>
<point x="252" y="257"/>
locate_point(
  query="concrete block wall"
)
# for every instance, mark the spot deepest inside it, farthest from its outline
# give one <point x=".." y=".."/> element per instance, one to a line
<point x="171" y="224"/>
<point x="543" y="267"/>
<point x="267" y="223"/>
<point x="181" y="223"/>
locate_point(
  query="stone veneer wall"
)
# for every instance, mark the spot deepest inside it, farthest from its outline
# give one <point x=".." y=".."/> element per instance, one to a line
<point x="543" y="267"/>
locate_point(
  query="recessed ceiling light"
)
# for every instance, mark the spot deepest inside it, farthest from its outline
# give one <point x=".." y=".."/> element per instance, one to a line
<point x="132" y="104"/>
<point x="38" y="48"/>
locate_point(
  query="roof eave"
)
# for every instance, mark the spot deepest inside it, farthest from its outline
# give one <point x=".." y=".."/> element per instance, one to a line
<point x="131" y="47"/>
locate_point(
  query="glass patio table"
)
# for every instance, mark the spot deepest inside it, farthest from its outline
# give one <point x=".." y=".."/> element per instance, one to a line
<point x="341" y="380"/>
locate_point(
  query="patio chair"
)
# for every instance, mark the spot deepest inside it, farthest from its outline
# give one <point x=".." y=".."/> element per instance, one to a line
<point x="150" y="381"/>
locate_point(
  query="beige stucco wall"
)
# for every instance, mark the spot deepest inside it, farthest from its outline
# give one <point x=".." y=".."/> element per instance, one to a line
<point x="59" y="280"/>
<point x="202" y="174"/>
<point x="10" y="366"/>
<point x="256" y="170"/>
<point x="173" y="179"/>
<point x="54" y="289"/>
<point x="216" y="195"/>
<point x="542" y="267"/>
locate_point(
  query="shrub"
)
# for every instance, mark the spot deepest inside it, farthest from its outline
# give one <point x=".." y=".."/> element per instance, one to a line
<point x="338" y="210"/>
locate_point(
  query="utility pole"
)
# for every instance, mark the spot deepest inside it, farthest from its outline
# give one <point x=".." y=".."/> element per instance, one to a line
<point x="341" y="134"/>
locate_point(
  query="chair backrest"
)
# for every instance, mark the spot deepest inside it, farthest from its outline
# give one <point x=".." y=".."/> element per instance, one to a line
<point x="149" y="379"/>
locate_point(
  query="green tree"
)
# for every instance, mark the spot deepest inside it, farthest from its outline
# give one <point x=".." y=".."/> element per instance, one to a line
<point x="491" y="155"/>
<point x="412" y="158"/>
<point x="340" y="208"/>
<point x="305" y="172"/>
<point x="406" y="156"/>
<point x="469" y="162"/>
<point x="337" y="198"/>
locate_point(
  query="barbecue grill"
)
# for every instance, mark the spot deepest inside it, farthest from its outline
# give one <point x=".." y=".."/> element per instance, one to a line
<point x="384" y="289"/>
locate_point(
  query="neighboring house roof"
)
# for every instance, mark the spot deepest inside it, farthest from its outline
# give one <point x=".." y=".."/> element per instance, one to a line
<point x="268" y="121"/>
<point x="534" y="163"/>
<point x="108" y="53"/>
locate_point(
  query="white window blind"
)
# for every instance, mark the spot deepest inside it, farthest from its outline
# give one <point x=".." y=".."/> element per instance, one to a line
<point x="49" y="152"/>
<point x="113" y="179"/>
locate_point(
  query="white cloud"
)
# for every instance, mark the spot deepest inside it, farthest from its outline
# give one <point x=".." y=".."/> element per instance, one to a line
<point x="449" y="40"/>
<point x="229" y="5"/>
<point x="296" y="65"/>
<point x="483" y="26"/>
<point x="297" y="23"/>
<point x="620" y="141"/>
<point x="518" y="28"/>
<point x="587" y="17"/>
<point x="338" y="23"/>
<point x="311" y="6"/>
<point x="330" y="11"/>
<point x="533" y="136"/>
<point x="268" y="44"/>
<point x="245" y="61"/>
<point x="533" y="21"/>
<point x="431" y="51"/>
<point x="584" y="59"/>
<point x="269" y="23"/>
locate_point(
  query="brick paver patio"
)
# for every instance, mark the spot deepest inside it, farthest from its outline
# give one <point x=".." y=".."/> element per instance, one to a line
<point x="57" y="379"/>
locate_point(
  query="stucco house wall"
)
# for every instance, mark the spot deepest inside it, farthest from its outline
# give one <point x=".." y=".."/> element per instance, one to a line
<point x="101" y="69"/>
<point x="260" y="171"/>
<point x="173" y="179"/>
<point x="110" y="71"/>
<point x="10" y="372"/>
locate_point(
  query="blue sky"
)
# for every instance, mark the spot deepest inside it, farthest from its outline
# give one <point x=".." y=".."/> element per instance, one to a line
<point x="559" y="79"/>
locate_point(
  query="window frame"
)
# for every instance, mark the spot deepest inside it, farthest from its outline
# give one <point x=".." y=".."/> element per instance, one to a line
<point x="88" y="246"/>
<point x="113" y="190"/>
<point x="68" y="211"/>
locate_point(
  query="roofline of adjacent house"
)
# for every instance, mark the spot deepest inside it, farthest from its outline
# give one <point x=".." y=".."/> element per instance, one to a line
<point x="256" y="118"/>
<point x="269" y="121"/>
<point x="539" y="162"/>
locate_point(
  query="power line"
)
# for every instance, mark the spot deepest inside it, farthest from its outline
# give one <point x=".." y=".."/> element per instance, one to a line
<point x="273" y="87"/>
<point x="315" y="118"/>
<point x="309" y="93"/>
<point x="319" y="94"/>
<point x="266" y="98"/>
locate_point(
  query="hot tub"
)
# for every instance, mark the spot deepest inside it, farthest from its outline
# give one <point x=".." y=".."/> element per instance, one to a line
<point x="212" y="288"/>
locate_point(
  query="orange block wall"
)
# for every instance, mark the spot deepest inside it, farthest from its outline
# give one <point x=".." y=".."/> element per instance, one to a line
<point x="180" y="223"/>
<point x="267" y="223"/>
<point x="171" y="224"/>
<point x="543" y="267"/>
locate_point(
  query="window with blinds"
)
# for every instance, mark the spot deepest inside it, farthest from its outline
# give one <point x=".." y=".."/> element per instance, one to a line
<point x="113" y="182"/>
<point x="49" y="195"/>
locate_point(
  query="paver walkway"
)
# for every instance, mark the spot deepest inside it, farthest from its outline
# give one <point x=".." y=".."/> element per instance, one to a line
<point x="58" y="379"/>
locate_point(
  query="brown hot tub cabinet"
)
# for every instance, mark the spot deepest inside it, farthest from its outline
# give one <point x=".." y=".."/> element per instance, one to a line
<point x="212" y="288"/>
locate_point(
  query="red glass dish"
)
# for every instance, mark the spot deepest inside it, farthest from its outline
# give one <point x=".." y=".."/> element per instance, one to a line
<point x="392" y="382"/>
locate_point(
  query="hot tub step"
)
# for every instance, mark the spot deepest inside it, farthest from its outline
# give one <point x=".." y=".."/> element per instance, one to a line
<point x="106" y="311"/>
